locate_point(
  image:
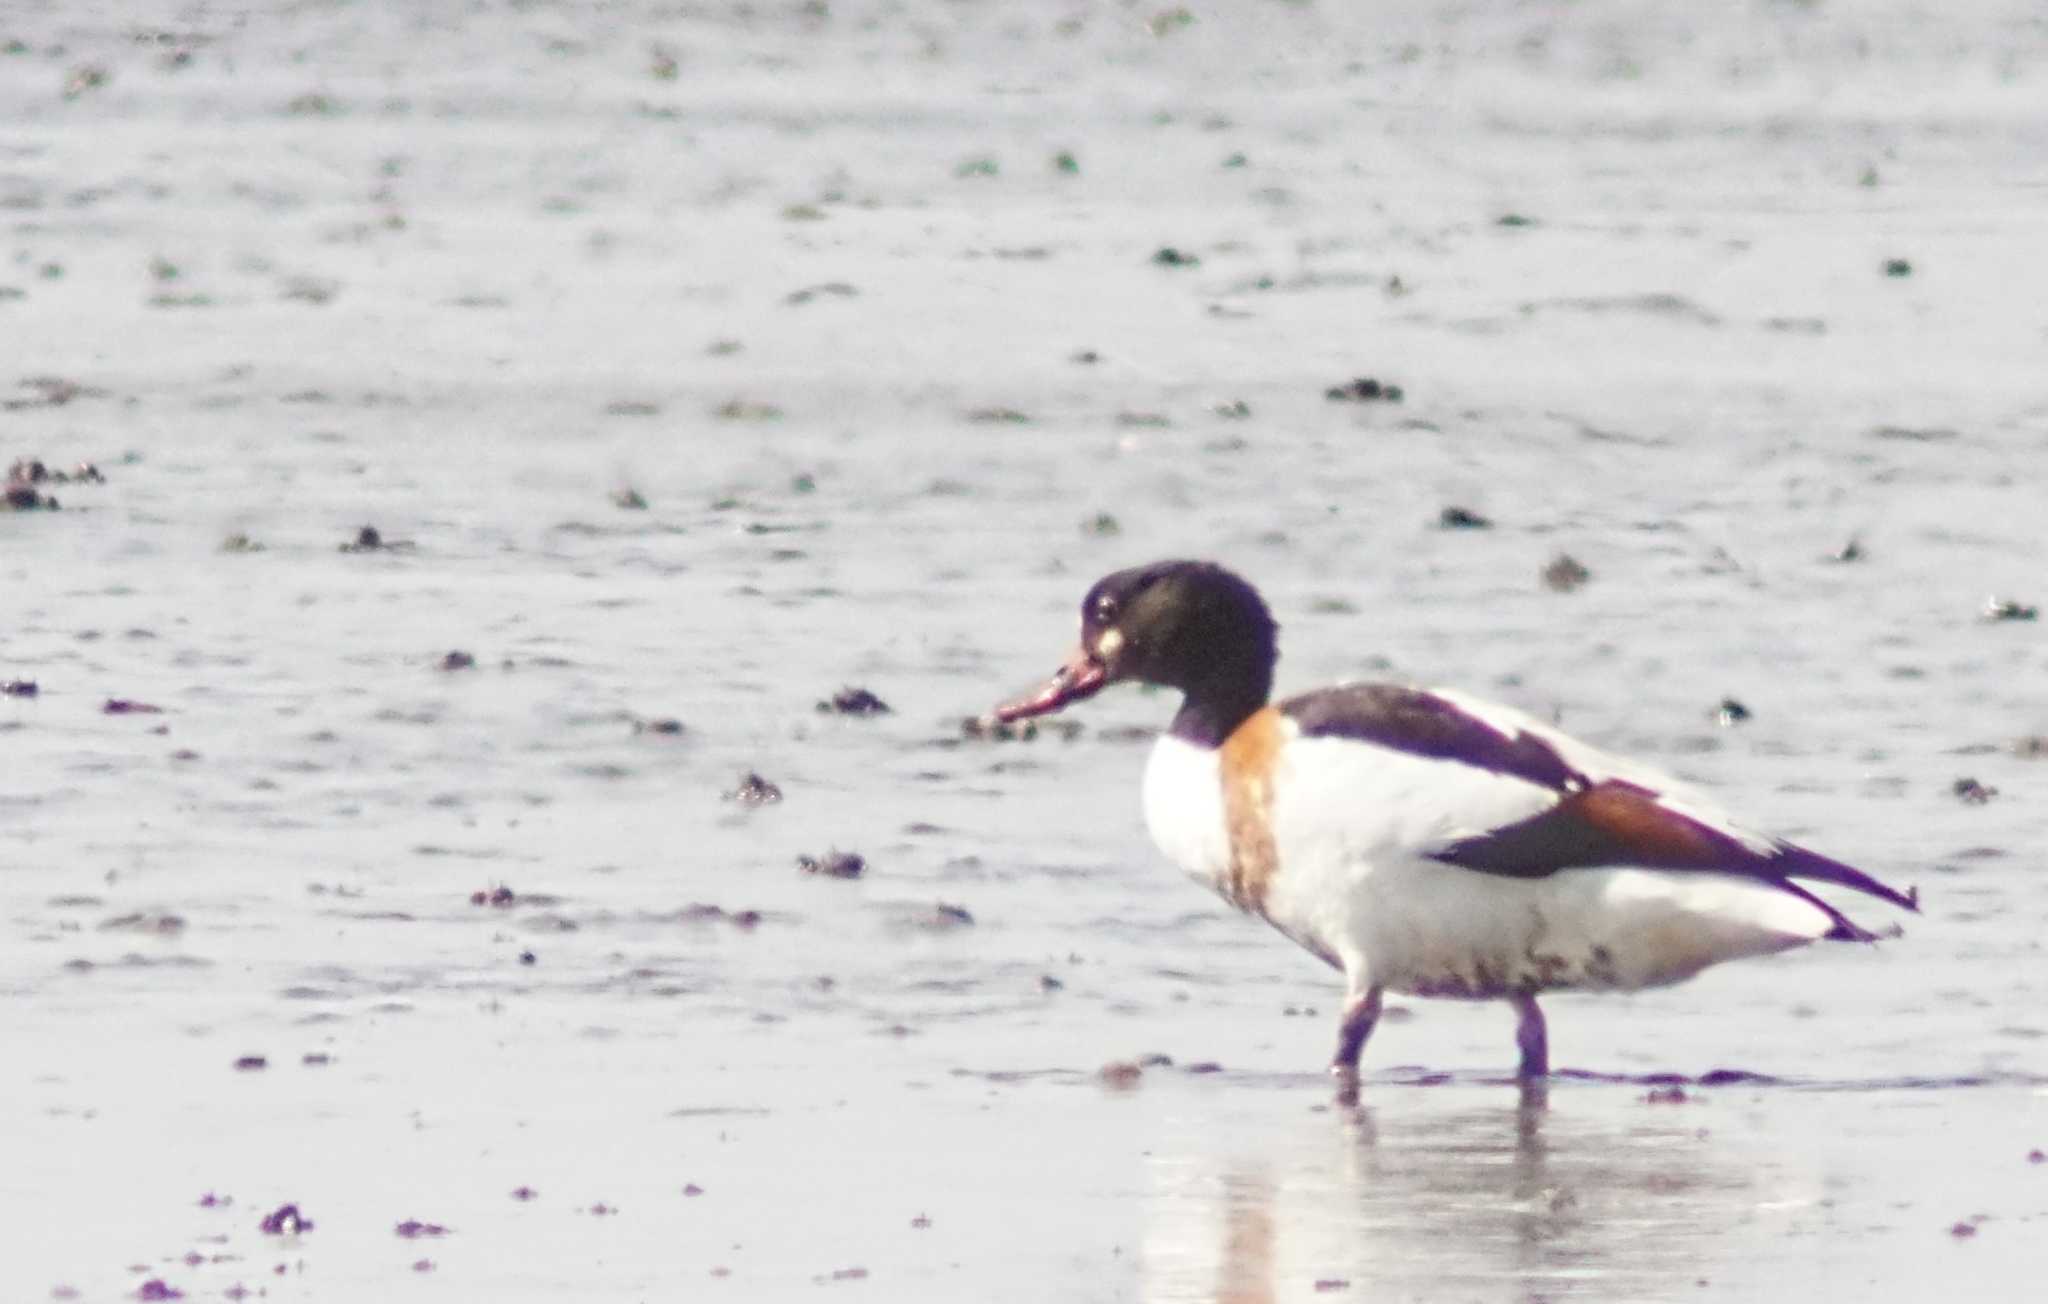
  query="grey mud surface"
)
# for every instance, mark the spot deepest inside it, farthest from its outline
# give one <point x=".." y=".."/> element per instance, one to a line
<point x="895" y="381"/>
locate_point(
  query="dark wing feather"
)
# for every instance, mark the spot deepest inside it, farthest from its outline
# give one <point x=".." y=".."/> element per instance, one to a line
<point x="1423" y="724"/>
<point x="1615" y="823"/>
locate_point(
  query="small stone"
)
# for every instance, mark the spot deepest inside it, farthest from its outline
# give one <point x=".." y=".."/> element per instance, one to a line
<point x="1119" y="1075"/>
<point x="1897" y="268"/>
<point x="367" y="539"/>
<point x="124" y="706"/>
<point x="921" y="1222"/>
<point x="1730" y="712"/>
<point x="285" y="1220"/>
<point x="693" y="1190"/>
<point x="251" y="1064"/>
<point x="1168" y="256"/>
<point x="1565" y="573"/>
<point x="1461" y="518"/>
<point x="240" y="543"/>
<point x="755" y="791"/>
<point x="1048" y="983"/>
<point x="1102" y="525"/>
<point x="629" y="499"/>
<point x="525" y="1194"/>
<point x="458" y="660"/>
<point x="1851" y="551"/>
<point x="1997" y="609"/>
<point x="1671" y="1095"/>
<point x="19" y="688"/>
<point x="667" y="725"/>
<point x="1963" y="1231"/>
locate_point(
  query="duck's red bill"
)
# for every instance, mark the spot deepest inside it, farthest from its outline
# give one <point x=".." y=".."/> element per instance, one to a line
<point x="1081" y="677"/>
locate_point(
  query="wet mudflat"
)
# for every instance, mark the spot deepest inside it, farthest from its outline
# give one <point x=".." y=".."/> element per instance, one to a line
<point x="520" y="439"/>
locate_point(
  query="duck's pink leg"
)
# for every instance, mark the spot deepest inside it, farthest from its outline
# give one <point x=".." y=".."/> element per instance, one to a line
<point x="1360" y="1013"/>
<point x="1532" y="1037"/>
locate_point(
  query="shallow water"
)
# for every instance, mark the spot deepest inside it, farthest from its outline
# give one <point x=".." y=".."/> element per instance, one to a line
<point x="819" y="297"/>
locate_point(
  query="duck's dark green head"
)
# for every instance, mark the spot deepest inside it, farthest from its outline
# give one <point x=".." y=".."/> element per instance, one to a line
<point x="1190" y="625"/>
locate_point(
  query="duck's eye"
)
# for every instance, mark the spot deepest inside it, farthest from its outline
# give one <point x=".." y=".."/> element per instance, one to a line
<point x="1105" y="608"/>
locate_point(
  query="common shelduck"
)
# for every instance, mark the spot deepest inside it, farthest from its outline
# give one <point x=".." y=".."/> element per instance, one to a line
<point x="1423" y="841"/>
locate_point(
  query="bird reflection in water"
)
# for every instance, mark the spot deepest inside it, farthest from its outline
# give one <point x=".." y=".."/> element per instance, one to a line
<point x="1426" y="1195"/>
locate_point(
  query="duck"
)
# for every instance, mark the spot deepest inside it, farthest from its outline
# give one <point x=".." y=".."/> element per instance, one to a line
<point x="1424" y="842"/>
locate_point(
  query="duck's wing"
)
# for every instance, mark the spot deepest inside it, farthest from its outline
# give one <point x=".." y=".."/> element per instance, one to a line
<point x="1580" y="807"/>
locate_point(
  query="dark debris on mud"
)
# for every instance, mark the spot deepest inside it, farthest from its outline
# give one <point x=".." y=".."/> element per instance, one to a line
<point x="27" y="476"/>
<point x="988" y="727"/>
<point x="853" y="701"/>
<point x="1565" y="574"/>
<point x="285" y="1220"/>
<point x="1365" y="389"/>
<point x="1997" y="610"/>
<point x="371" y="539"/>
<point x="1971" y="792"/>
<point x="944" y="917"/>
<point x="834" y="864"/>
<point x="754" y="790"/>
<point x="412" y="1229"/>
<point x="704" y="912"/>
